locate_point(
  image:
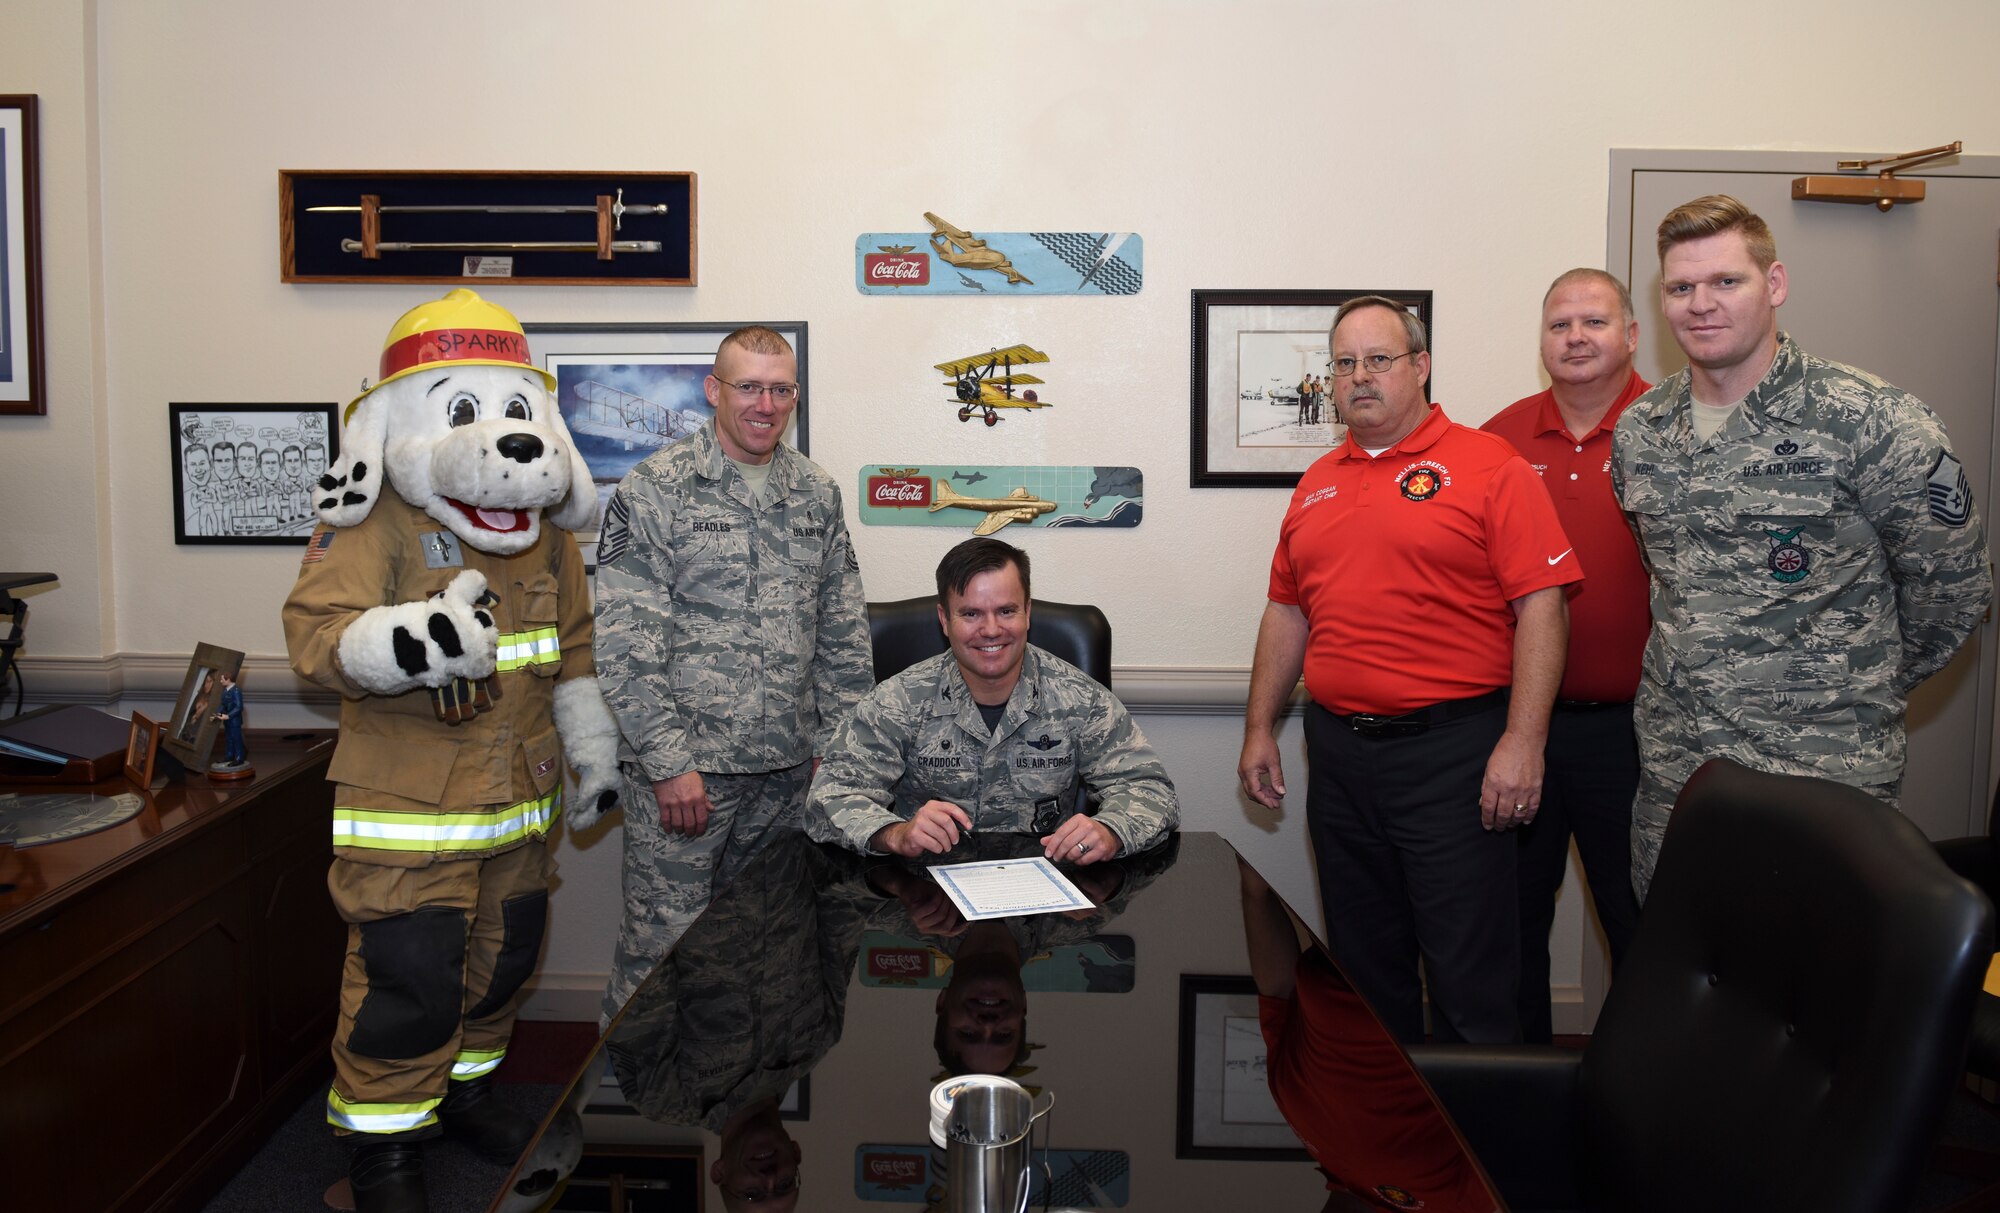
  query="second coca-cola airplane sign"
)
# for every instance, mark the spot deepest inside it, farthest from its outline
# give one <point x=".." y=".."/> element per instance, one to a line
<point x="988" y="498"/>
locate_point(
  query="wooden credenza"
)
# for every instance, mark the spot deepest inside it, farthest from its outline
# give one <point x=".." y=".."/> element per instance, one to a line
<point x="167" y="988"/>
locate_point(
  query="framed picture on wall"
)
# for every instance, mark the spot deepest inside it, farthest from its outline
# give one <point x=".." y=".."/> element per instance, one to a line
<point x="628" y="390"/>
<point x="244" y="473"/>
<point x="1225" y="1109"/>
<point x="22" y="385"/>
<point x="1261" y="395"/>
<point x="190" y="734"/>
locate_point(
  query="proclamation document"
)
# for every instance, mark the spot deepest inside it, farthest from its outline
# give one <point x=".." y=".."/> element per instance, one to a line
<point x="1008" y="888"/>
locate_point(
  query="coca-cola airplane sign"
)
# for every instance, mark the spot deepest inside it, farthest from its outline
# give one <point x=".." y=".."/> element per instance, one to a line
<point x="952" y="260"/>
<point x="988" y="498"/>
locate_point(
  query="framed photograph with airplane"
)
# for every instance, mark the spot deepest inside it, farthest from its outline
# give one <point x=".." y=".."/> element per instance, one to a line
<point x="628" y="390"/>
<point x="1261" y="394"/>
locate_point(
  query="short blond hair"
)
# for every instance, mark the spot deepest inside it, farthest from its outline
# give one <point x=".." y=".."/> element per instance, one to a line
<point x="756" y="339"/>
<point x="1713" y="214"/>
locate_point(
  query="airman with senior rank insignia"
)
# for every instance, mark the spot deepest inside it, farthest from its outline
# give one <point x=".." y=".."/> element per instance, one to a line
<point x="731" y="640"/>
<point x="1813" y="546"/>
<point x="994" y="735"/>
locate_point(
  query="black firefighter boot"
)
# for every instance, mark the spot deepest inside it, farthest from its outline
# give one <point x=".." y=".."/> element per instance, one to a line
<point x="387" y="1176"/>
<point x="472" y="1115"/>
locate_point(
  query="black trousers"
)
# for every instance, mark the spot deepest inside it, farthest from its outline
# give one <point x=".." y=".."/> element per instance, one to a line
<point x="1405" y="869"/>
<point x="1592" y="775"/>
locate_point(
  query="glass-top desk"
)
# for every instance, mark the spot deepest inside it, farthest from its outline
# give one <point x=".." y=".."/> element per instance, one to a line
<point x="805" y="1013"/>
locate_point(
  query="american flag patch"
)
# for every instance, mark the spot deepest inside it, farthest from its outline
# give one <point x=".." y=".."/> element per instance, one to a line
<point x="316" y="547"/>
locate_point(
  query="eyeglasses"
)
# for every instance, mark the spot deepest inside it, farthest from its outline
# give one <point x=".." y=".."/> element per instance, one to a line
<point x="782" y="393"/>
<point x="790" y="1186"/>
<point x="1376" y="363"/>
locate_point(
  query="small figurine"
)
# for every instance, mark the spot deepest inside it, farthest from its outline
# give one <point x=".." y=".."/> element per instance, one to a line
<point x="235" y="762"/>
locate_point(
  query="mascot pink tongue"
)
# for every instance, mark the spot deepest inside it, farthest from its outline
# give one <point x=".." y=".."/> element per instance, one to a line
<point x="456" y="629"/>
<point x="492" y="520"/>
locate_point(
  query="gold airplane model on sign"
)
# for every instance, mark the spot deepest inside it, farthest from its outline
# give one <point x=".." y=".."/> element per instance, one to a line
<point x="956" y="246"/>
<point x="1017" y="506"/>
<point x="977" y="387"/>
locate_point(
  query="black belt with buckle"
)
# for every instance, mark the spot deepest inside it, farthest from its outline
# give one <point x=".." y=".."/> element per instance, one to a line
<point x="1591" y="705"/>
<point x="1410" y="724"/>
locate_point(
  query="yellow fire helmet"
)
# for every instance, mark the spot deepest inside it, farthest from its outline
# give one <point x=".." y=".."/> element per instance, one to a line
<point x="460" y="329"/>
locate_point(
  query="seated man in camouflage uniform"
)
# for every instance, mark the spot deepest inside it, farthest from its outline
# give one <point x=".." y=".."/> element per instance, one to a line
<point x="994" y="735"/>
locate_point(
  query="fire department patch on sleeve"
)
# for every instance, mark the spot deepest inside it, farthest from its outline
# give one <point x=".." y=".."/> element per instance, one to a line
<point x="1950" y="496"/>
<point x="617" y="530"/>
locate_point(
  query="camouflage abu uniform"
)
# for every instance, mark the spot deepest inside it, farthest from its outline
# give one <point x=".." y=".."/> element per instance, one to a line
<point x="919" y="737"/>
<point x="1813" y="561"/>
<point x="730" y="640"/>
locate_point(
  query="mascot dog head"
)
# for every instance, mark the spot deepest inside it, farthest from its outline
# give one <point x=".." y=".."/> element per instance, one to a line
<point x="465" y="428"/>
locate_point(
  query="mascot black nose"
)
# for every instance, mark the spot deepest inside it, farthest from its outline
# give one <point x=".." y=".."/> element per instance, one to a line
<point x="521" y="448"/>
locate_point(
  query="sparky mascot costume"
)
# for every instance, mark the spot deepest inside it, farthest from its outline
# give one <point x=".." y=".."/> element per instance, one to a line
<point x="438" y="599"/>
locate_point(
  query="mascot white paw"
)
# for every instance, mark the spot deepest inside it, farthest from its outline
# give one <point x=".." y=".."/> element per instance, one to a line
<point x="590" y="741"/>
<point x="392" y="649"/>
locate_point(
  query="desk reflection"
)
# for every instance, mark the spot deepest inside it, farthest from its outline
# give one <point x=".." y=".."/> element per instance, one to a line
<point x="1340" y="1079"/>
<point x="819" y="962"/>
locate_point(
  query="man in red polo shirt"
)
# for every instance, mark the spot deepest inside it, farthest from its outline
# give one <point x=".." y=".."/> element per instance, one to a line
<point x="1420" y="572"/>
<point x="1588" y="336"/>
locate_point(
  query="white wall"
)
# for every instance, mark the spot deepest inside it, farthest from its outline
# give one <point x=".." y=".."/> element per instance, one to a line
<point x="1457" y="147"/>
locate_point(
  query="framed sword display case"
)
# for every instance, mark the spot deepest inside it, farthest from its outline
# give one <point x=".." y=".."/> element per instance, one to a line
<point x="529" y="228"/>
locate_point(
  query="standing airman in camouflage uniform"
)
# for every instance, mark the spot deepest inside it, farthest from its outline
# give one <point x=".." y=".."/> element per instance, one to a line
<point x="993" y="735"/>
<point x="730" y="640"/>
<point x="1813" y="544"/>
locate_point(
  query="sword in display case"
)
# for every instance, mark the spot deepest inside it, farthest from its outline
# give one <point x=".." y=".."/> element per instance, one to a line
<point x="616" y="208"/>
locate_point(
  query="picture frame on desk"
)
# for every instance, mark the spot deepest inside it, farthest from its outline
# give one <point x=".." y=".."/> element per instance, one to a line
<point x="1250" y="351"/>
<point x="142" y="751"/>
<point x="23" y="385"/>
<point x="1225" y="1107"/>
<point x="626" y="390"/>
<point x="190" y="731"/>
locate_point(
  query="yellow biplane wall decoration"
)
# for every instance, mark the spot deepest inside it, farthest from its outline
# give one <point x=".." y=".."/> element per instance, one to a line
<point x="984" y="383"/>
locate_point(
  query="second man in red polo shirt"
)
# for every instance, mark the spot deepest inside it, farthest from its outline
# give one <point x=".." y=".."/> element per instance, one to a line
<point x="1588" y="337"/>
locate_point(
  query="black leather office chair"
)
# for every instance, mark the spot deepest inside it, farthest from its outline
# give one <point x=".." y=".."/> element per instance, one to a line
<point x="1977" y="858"/>
<point x="906" y="631"/>
<point x="1783" y="1034"/>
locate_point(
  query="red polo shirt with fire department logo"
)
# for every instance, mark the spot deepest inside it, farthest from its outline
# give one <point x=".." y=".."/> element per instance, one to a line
<point x="1405" y="565"/>
<point x="1610" y="617"/>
